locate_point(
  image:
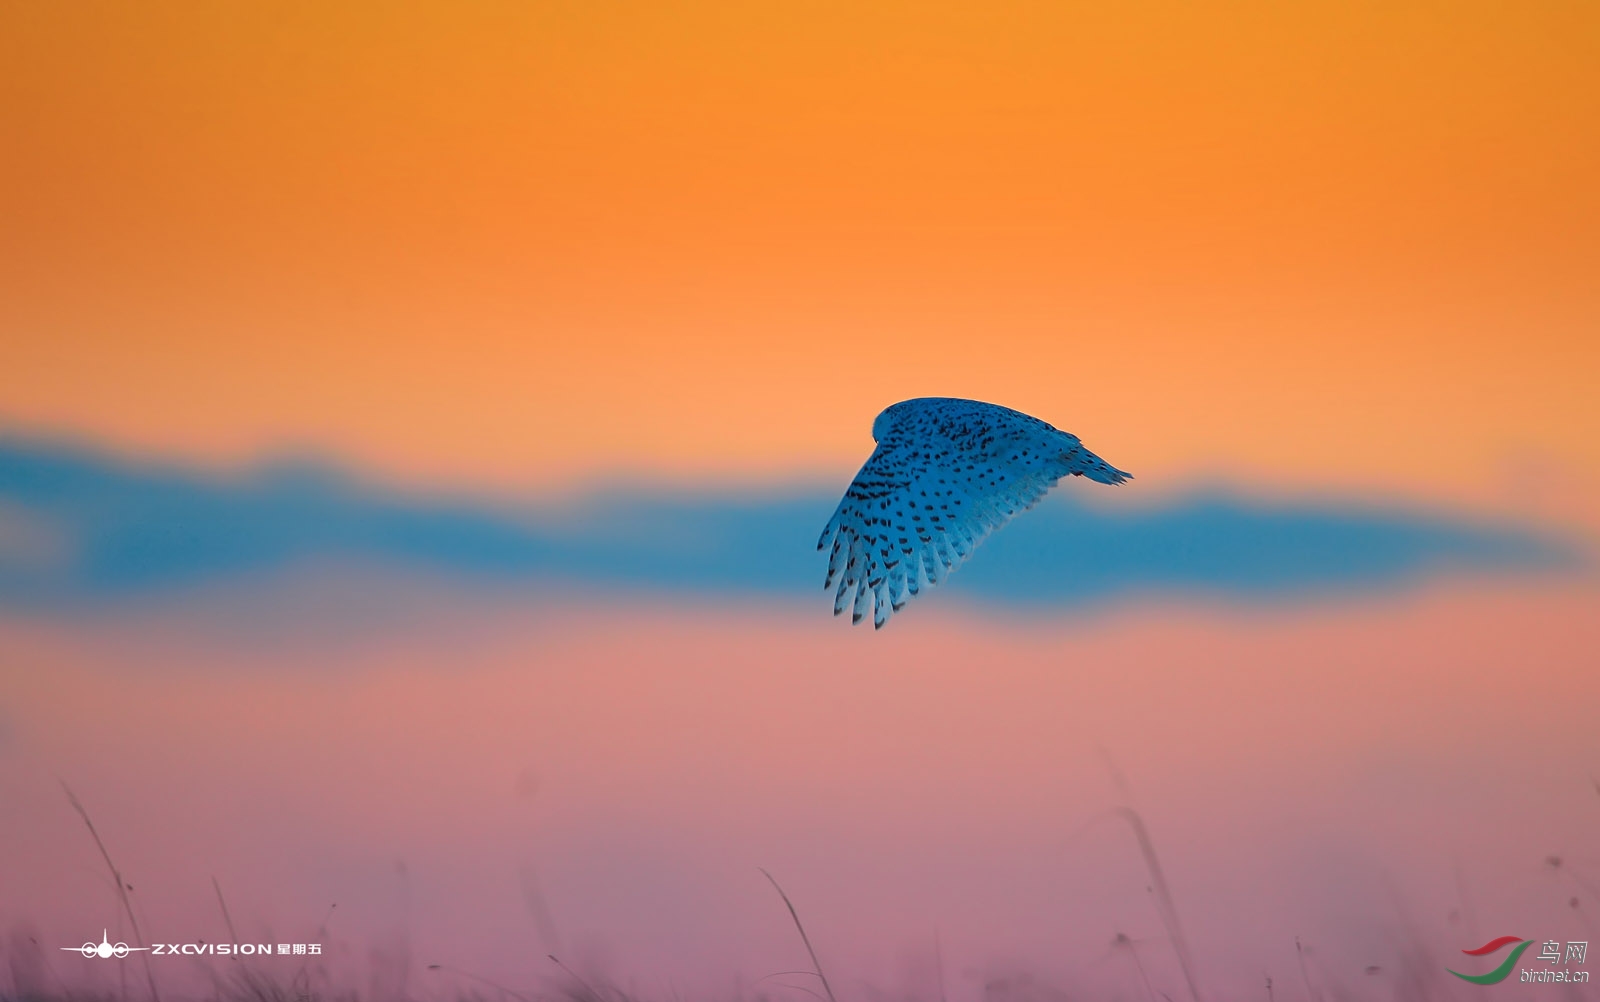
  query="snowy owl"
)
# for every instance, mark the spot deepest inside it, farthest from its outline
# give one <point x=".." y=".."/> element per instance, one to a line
<point x="946" y="473"/>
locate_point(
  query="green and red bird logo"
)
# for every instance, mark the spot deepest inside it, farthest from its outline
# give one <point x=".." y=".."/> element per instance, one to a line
<point x="1502" y="972"/>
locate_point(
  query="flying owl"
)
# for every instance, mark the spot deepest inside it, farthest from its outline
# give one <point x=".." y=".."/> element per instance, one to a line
<point x="946" y="473"/>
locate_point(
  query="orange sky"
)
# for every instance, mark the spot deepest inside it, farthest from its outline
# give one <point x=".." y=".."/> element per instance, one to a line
<point x="510" y="245"/>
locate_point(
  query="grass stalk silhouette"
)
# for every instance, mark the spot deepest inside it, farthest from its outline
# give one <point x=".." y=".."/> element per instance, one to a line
<point x="575" y="976"/>
<point x="1163" y="894"/>
<point x="122" y="888"/>
<point x="227" y="920"/>
<point x="1158" y="877"/>
<point x="497" y="986"/>
<point x="1305" y="979"/>
<point x="1124" y="941"/>
<point x="815" y="963"/>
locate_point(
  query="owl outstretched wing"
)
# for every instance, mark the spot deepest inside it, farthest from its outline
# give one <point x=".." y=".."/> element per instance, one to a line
<point x="945" y="474"/>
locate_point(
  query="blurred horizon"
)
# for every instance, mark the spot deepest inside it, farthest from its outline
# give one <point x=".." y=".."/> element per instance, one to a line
<point x="80" y="528"/>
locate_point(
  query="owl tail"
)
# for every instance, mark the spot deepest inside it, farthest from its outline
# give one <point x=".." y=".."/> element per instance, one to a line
<point x="1083" y="463"/>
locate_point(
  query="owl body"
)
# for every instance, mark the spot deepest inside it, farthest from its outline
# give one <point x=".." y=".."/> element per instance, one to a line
<point x="946" y="472"/>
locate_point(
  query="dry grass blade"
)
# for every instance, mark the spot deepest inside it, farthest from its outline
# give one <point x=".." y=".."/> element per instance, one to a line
<point x="497" y="986"/>
<point x="227" y="919"/>
<point x="1158" y="877"/>
<point x="1305" y="979"/>
<point x="1124" y="941"/>
<point x="122" y="888"/>
<point x="592" y="993"/>
<point x="817" y="964"/>
<point x="1168" y="910"/>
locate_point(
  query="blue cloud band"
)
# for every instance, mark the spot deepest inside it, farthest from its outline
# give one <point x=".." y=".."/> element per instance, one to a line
<point x="79" y="530"/>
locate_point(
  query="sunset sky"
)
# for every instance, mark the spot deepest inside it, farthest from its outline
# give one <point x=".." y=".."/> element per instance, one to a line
<point x="416" y="421"/>
<point x="519" y="245"/>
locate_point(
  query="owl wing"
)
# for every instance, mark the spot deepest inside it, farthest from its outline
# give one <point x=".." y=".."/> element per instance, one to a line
<point x="899" y="529"/>
<point x="912" y="515"/>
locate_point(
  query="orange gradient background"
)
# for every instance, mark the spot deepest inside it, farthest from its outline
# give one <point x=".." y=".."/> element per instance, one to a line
<point x="1320" y="250"/>
<point x="518" y="244"/>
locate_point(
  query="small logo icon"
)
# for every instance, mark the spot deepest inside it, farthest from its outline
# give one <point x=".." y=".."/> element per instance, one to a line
<point x="105" y="948"/>
<point x="1502" y="972"/>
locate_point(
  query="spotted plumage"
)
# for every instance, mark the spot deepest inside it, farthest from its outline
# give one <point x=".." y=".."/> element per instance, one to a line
<point x="946" y="473"/>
